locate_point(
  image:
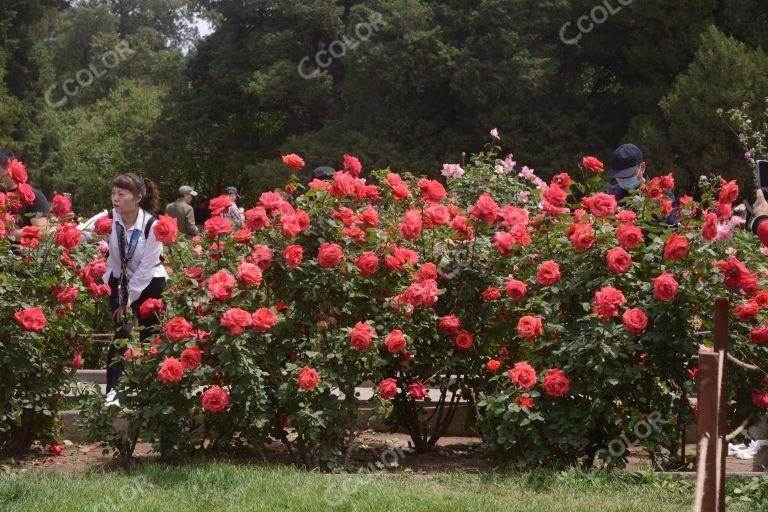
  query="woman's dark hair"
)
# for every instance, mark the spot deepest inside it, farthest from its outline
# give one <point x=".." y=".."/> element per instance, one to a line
<point x="138" y="186"/>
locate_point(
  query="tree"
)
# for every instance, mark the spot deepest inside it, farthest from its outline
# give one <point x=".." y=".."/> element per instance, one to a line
<point x="691" y="138"/>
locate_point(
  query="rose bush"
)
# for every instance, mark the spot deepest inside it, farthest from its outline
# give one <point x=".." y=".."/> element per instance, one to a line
<point x="49" y="302"/>
<point x="560" y="317"/>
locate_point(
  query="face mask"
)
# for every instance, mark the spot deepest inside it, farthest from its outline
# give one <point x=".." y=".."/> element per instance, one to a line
<point x="628" y="183"/>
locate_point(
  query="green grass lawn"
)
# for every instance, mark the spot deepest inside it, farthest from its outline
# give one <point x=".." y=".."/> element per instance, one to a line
<point x="224" y="486"/>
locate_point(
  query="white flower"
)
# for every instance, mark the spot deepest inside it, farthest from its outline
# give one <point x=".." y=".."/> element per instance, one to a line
<point x="452" y="171"/>
<point x="499" y="169"/>
<point x="495" y="134"/>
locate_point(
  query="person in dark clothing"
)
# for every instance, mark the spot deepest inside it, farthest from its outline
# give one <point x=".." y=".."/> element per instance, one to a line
<point x="760" y="222"/>
<point x="628" y="170"/>
<point x="35" y="214"/>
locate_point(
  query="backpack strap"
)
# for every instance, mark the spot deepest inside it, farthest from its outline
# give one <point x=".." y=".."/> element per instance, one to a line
<point x="148" y="226"/>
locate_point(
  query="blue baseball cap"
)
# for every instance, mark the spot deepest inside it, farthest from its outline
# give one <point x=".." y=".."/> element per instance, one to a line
<point x="625" y="160"/>
<point x="232" y="190"/>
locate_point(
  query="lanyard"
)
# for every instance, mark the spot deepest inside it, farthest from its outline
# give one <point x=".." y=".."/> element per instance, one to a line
<point x="125" y="257"/>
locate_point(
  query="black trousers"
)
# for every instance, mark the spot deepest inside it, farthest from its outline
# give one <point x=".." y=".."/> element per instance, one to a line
<point x="154" y="290"/>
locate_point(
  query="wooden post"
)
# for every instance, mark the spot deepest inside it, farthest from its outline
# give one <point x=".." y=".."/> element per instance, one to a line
<point x="711" y="424"/>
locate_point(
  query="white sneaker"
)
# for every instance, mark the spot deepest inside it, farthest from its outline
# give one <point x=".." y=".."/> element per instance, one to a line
<point x="112" y="399"/>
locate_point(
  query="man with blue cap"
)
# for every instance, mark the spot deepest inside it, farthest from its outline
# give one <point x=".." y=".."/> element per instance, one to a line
<point x="628" y="169"/>
<point x="233" y="213"/>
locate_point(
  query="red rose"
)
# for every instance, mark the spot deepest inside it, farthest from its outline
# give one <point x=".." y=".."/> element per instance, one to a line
<point x="448" y="324"/>
<point x="737" y="275"/>
<point x="30" y="236"/>
<point x="387" y="388"/>
<point x="529" y="327"/>
<point x="431" y="190"/>
<point x="635" y="320"/>
<point x="261" y="256"/>
<point x="562" y="180"/>
<point x="668" y="182"/>
<point x="485" y="208"/>
<point x="395" y="341"/>
<point x="369" y="217"/>
<point x="423" y="293"/>
<point x="290" y="224"/>
<point x="729" y="192"/>
<point x="368" y="263"/>
<point x="150" y="306"/>
<point x="593" y="164"/>
<point x="493" y="365"/>
<point x="17" y="171"/>
<point x="293" y="161"/>
<point x="426" y="272"/>
<point x="329" y="255"/>
<point x="516" y="289"/>
<point x="401" y="257"/>
<point x="166" y="228"/>
<point x="214" y="400"/>
<point x="263" y="319"/>
<point x="626" y="216"/>
<point x="601" y="205"/>
<point x="236" y="320"/>
<point x="747" y="311"/>
<point x="191" y="358"/>
<point x="676" y="247"/>
<point x="271" y="200"/>
<point x="759" y="335"/>
<point x="220" y="285"/>
<point x="217" y="226"/>
<point x="171" y="370"/>
<point x="438" y="215"/>
<point x="582" y="236"/>
<point x="548" y="274"/>
<point x="618" y="260"/>
<point x="522" y="375"/>
<point x="512" y="216"/>
<point x="31" y="319"/>
<point x="360" y="336"/>
<point x="709" y="231"/>
<point x="556" y="383"/>
<point x="60" y="205"/>
<point x="555" y="196"/>
<point x="491" y="294"/>
<point x="293" y="255"/>
<point x="503" y="242"/>
<point x="353" y="165"/>
<point x="256" y="218"/>
<point x="417" y="391"/>
<point x="103" y="226"/>
<point x="761" y="299"/>
<point x="760" y="399"/>
<point x="220" y="205"/>
<point x="629" y="236"/>
<point x="97" y="269"/>
<point x="196" y="274"/>
<point x="343" y="184"/>
<point x="607" y="301"/>
<point x="410" y="228"/>
<point x="308" y="379"/>
<point x="178" y="329"/>
<point x="464" y="340"/>
<point x="724" y="211"/>
<point x="67" y="295"/>
<point x="524" y="401"/>
<point x="249" y="273"/>
<point x="664" y="287"/>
